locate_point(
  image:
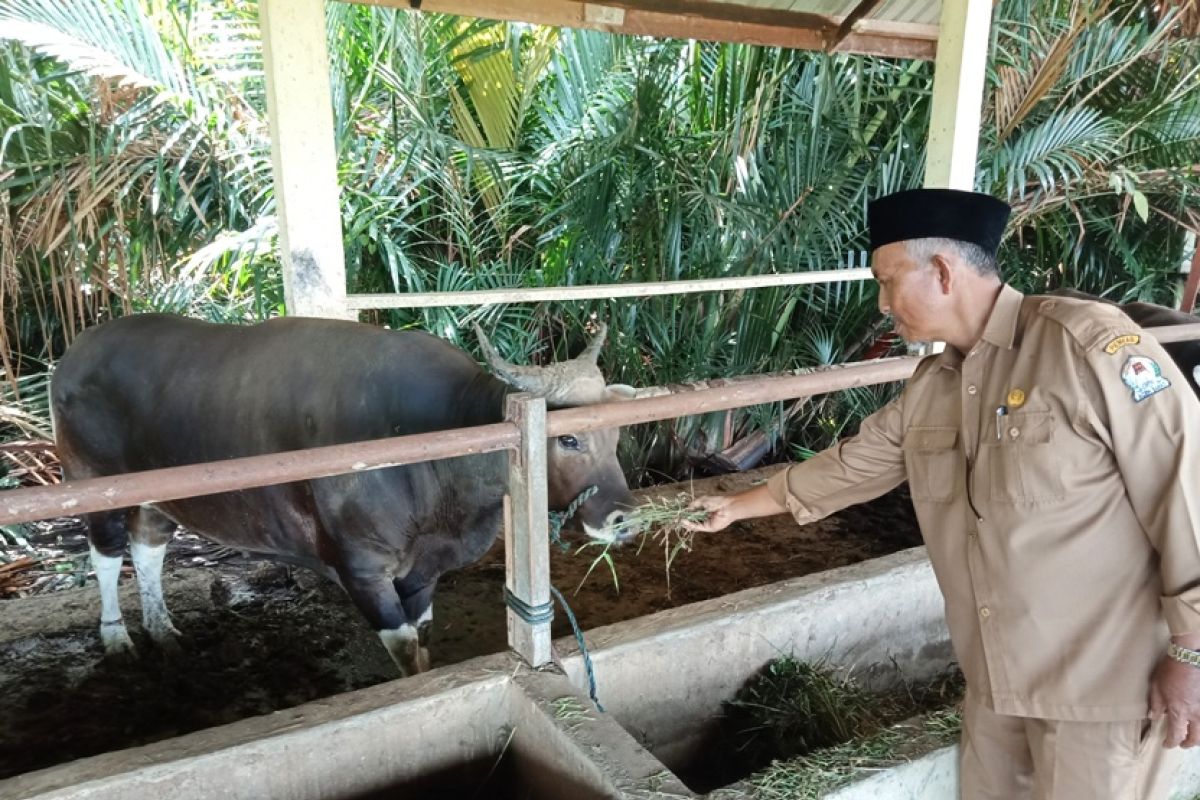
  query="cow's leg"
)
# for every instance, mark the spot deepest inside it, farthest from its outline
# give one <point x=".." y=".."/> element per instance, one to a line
<point x="377" y="599"/>
<point x="151" y="530"/>
<point x="416" y="595"/>
<point x="107" y="535"/>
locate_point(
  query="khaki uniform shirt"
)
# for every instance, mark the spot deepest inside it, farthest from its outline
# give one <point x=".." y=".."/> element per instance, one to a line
<point x="1063" y="530"/>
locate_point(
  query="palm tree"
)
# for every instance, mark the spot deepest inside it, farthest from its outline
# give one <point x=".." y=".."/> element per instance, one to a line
<point x="479" y="155"/>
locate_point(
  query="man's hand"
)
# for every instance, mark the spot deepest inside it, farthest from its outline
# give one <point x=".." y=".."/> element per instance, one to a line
<point x="724" y="510"/>
<point x="1175" y="691"/>
<point x="720" y="513"/>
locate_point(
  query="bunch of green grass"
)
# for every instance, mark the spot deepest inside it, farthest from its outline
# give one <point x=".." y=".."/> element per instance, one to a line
<point x="660" y="521"/>
<point x="818" y="728"/>
<point x="663" y="522"/>
<point x="795" y="707"/>
<point x="815" y="774"/>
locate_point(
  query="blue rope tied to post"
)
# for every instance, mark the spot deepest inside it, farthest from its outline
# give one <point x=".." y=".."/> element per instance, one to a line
<point x="587" y="658"/>
<point x="545" y="612"/>
<point x="534" y="615"/>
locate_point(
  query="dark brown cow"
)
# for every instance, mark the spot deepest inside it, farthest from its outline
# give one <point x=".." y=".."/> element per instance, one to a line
<point x="152" y="391"/>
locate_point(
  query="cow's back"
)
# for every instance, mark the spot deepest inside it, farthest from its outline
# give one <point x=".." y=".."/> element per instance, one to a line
<point x="152" y="391"/>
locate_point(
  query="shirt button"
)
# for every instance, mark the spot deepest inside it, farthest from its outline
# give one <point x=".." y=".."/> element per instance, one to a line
<point x="1013" y="433"/>
<point x="985" y="612"/>
<point x="971" y="390"/>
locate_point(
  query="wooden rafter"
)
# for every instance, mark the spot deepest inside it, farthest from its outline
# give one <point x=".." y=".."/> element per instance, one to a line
<point x="843" y="31"/>
<point x="704" y="20"/>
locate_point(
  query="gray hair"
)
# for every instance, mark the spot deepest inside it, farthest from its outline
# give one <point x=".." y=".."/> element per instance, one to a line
<point x="980" y="260"/>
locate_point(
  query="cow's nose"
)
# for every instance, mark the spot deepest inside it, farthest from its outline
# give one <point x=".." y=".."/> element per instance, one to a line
<point x="621" y="525"/>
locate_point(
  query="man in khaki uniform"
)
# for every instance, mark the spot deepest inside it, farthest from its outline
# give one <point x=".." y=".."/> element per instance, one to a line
<point x="1053" y="456"/>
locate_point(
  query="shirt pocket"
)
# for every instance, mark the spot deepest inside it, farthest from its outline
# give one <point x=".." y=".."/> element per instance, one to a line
<point x="1024" y="467"/>
<point x="932" y="460"/>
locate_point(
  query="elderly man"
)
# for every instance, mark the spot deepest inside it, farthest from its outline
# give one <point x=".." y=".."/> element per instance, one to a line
<point x="1053" y="456"/>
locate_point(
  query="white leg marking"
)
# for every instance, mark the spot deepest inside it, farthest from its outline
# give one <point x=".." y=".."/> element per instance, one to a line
<point x="423" y="625"/>
<point x="147" y="562"/>
<point x="112" y="629"/>
<point x="405" y="650"/>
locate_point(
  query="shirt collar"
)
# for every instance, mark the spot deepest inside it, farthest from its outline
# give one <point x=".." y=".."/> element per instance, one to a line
<point x="1001" y="327"/>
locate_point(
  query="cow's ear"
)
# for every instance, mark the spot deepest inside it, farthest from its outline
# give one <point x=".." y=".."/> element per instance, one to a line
<point x="620" y="391"/>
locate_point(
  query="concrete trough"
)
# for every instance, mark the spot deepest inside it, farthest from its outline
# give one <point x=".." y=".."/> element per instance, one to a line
<point x="524" y="733"/>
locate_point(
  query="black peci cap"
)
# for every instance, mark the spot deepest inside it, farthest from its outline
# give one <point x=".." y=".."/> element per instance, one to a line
<point x="941" y="213"/>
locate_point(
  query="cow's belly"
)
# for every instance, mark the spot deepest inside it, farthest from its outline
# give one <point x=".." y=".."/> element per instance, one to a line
<point x="259" y="521"/>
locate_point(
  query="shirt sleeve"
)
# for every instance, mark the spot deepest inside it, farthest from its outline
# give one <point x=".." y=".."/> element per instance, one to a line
<point x="1153" y="421"/>
<point x="854" y="470"/>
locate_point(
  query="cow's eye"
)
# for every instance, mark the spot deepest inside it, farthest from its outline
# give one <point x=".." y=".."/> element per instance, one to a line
<point x="569" y="442"/>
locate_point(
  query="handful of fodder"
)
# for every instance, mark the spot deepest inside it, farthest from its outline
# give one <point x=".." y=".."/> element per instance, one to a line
<point x="661" y="521"/>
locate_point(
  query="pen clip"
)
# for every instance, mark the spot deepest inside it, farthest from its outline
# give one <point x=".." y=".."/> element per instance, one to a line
<point x="1001" y="413"/>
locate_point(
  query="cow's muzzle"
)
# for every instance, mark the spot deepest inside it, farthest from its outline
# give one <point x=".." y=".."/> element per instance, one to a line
<point x="619" y="526"/>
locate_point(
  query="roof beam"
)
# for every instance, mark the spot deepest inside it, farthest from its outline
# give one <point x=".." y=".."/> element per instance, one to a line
<point x="696" y="19"/>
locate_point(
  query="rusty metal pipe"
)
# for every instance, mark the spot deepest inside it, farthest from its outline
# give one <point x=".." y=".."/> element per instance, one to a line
<point x="721" y="398"/>
<point x="175" y="483"/>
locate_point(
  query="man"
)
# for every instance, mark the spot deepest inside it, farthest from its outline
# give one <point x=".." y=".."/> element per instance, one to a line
<point x="1053" y="457"/>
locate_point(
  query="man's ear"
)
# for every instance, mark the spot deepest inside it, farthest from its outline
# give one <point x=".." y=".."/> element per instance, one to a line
<point x="944" y="270"/>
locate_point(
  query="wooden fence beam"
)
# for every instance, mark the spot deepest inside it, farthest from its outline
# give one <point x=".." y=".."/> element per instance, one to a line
<point x="527" y="533"/>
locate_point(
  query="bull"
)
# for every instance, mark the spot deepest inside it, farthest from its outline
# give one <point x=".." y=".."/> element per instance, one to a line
<point x="151" y="391"/>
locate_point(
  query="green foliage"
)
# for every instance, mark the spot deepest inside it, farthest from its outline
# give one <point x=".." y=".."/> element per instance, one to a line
<point x="135" y="175"/>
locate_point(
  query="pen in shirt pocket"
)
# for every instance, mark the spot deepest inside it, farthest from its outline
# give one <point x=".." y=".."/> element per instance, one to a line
<point x="1001" y="413"/>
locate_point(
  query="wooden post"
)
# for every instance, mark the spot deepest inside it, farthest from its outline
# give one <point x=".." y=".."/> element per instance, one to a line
<point x="958" y="77"/>
<point x="304" y="162"/>
<point x="526" y="531"/>
<point x="957" y="104"/>
<point x="1191" y="284"/>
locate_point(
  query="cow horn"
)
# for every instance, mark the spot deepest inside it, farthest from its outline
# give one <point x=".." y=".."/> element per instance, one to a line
<point x="527" y="379"/>
<point x="592" y="352"/>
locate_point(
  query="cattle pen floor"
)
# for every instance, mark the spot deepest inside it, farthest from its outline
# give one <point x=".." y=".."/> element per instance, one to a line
<point x="259" y="637"/>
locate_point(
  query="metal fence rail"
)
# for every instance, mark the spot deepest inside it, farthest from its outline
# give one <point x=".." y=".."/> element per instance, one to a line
<point x="174" y="483"/>
<point x="607" y="291"/>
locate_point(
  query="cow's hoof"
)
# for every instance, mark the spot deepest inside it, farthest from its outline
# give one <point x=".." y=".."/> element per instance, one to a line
<point x="168" y="639"/>
<point x="117" y="644"/>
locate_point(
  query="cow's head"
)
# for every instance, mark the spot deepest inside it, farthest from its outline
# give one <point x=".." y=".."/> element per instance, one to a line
<point x="576" y="462"/>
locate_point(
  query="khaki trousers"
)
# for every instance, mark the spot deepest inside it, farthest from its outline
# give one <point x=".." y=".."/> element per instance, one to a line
<point x="1015" y="758"/>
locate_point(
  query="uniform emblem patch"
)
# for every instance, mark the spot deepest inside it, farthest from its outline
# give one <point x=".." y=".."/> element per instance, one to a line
<point x="1119" y="342"/>
<point x="1016" y="398"/>
<point x="1143" y="376"/>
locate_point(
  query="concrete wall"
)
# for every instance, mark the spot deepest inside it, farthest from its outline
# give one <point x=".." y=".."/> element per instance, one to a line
<point x="935" y="777"/>
<point x="665" y="676"/>
<point x="663" y="679"/>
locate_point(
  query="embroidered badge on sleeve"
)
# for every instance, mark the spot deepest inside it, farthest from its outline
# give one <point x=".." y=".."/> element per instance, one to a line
<point x="1143" y="376"/>
<point x="1119" y="342"/>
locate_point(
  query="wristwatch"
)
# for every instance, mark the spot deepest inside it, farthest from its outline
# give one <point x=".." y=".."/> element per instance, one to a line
<point x="1184" y="655"/>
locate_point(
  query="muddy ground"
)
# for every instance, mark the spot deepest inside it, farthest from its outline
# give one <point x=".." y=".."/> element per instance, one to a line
<point x="260" y="637"/>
